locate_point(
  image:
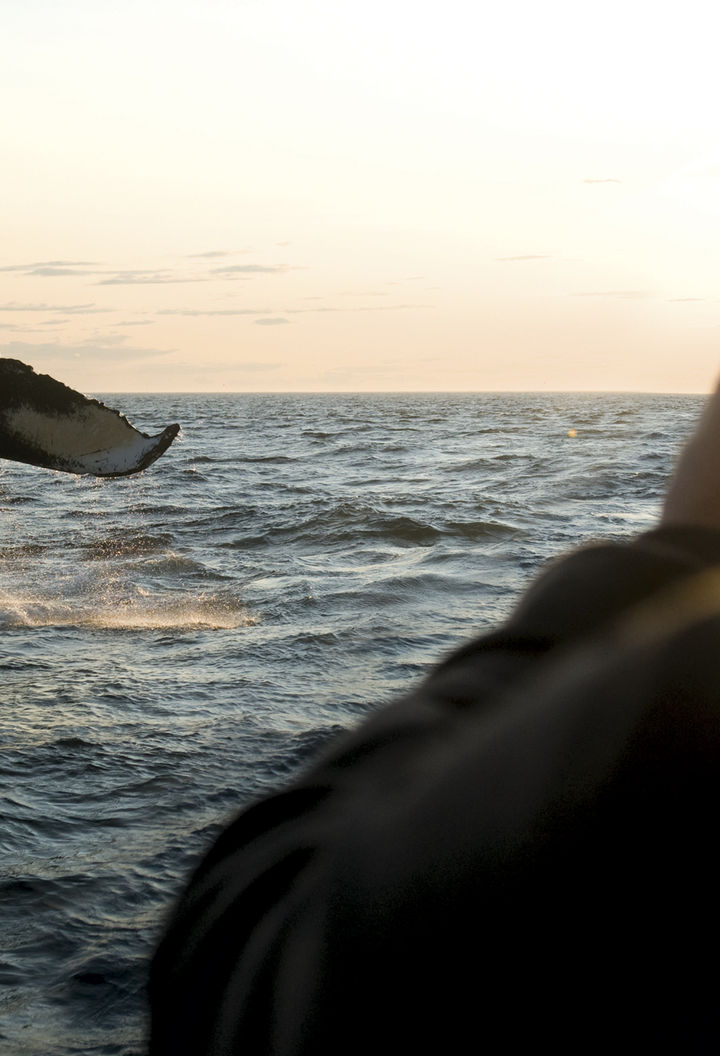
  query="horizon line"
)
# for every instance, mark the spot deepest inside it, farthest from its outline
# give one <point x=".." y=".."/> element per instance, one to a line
<point x="403" y="392"/>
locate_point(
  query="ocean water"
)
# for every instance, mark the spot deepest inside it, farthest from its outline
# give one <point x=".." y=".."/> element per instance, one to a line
<point x="175" y="643"/>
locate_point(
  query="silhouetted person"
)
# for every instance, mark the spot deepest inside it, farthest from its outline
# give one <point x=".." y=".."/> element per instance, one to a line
<point x="518" y="857"/>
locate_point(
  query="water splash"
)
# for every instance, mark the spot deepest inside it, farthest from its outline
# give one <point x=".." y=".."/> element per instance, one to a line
<point x="145" y="610"/>
<point x="152" y="592"/>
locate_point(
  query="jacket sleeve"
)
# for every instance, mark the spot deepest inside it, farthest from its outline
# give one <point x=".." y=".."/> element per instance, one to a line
<point x="451" y="827"/>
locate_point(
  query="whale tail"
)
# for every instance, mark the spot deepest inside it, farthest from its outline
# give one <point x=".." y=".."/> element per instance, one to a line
<point x="45" y="423"/>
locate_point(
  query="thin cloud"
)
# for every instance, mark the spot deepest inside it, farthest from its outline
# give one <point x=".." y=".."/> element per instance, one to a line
<point x="141" y="277"/>
<point x="65" y="309"/>
<point x="204" y="312"/>
<point x="255" y="368"/>
<point x="209" y="254"/>
<point x="627" y="294"/>
<point x="683" y="300"/>
<point x="105" y="340"/>
<point x="604" y="179"/>
<point x="223" y="368"/>
<point x="33" y="268"/>
<point x="250" y="269"/>
<point x="272" y="321"/>
<point x="50" y="271"/>
<point x="389" y="368"/>
<point x="113" y="276"/>
<point x="108" y="276"/>
<point x="527" y="256"/>
<point x="213" y="311"/>
<point x="363" y="293"/>
<point x="29" y="351"/>
<point x="386" y="307"/>
<point x="360" y="308"/>
<point x="67" y="264"/>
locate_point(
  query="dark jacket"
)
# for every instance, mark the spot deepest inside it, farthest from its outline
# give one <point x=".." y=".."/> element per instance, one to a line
<point x="519" y="855"/>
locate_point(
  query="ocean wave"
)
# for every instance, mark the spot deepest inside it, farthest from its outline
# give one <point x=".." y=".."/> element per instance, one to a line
<point x="482" y="530"/>
<point x="273" y="460"/>
<point x="192" y="475"/>
<point x="350" y="522"/>
<point x="124" y="545"/>
<point x="20" y="551"/>
<point x="16" y="500"/>
<point x="144" y="610"/>
<point x="302" y="748"/>
<point x="179" y="642"/>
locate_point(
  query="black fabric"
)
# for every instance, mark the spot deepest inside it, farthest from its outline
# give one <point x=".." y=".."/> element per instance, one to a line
<point x="519" y="853"/>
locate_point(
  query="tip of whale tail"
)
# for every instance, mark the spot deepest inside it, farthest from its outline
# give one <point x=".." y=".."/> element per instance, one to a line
<point x="121" y="461"/>
<point x="45" y="423"/>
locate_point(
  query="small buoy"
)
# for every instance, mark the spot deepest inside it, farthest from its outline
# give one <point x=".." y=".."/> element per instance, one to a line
<point x="572" y="432"/>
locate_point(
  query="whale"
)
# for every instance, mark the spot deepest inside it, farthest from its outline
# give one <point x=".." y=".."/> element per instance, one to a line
<point x="45" y="423"/>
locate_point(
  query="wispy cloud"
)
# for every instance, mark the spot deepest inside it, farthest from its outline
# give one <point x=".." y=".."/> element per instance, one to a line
<point x="204" y="312"/>
<point x="626" y="294"/>
<point x="272" y="321"/>
<point x="363" y="293"/>
<point x="146" y="277"/>
<point x="112" y="276"/>
<point x="65" y="309"/>
<point x="51" y="271"/>
<point x="250" y="269"/>
<point x="251" y="366"/>
<point x="603" y="179"/>
<point x="683" y="300"/>
<point x="109" y="276"/>
<point x="359" y="308"/>
<point x="67" y="267"/>
<point x="209" y="254"/>
<point x="213" y="311"/>
<point x="255" y="368"/>
<point x="30" y="352"/>
<point x="350" y="371"/>
<point x="527" y="256"/>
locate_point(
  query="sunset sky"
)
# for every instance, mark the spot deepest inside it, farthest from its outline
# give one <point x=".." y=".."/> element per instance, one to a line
<point x="323" y="195"/>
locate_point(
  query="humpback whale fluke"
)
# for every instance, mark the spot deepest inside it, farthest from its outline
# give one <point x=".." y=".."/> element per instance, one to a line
<point x="45" y="423"/>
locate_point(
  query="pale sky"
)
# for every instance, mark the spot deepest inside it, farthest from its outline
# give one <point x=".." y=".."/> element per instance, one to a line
<point x="309" y="195"/>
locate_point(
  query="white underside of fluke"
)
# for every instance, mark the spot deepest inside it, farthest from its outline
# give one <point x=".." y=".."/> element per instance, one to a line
<point x="92" y="439"/>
